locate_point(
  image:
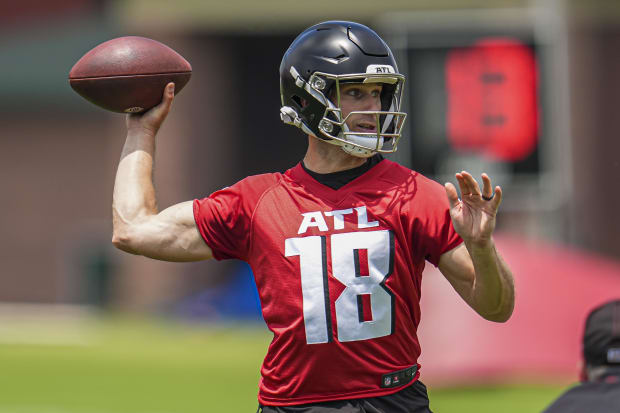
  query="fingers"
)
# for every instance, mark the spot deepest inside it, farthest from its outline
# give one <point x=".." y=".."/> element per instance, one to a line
<point x="469" y="186"/>
<point x="463" y="187"/>
<point x="453" y="196"/>
<point x="497" y="197"/>
<point x="487" y="191"/>
<point x="488" y="194"/>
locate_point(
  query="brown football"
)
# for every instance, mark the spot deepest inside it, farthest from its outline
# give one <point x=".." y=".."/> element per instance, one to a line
<point x="128" y="74"/>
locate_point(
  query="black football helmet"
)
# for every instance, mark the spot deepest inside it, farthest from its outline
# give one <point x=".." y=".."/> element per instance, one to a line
<point x="313" y="68"/>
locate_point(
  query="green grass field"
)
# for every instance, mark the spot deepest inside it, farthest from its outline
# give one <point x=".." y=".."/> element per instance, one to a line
<point x="125" y="366"/>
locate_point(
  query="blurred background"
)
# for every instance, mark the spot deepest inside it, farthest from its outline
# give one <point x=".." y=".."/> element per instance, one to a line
<point x="527" y="91"/>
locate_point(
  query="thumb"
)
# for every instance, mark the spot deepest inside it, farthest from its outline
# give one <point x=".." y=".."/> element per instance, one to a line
<point x="158" y="114"/>
<point x="167" y="97"/>
<point x="453" y="197"/>
<point x="152" y="119"/>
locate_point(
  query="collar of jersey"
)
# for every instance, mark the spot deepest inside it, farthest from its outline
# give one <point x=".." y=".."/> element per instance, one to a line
<point x="341" y="178"/>
<point x="299" y="175"/>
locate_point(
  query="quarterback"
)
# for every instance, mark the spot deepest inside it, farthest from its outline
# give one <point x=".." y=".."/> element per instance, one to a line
<point x="337" y="243"/>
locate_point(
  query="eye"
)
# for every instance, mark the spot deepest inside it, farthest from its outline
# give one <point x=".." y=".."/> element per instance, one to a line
<point x="353" y="92"/>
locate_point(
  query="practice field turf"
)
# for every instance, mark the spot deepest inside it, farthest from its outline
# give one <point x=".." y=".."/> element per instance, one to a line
<point x="95" y="366"/>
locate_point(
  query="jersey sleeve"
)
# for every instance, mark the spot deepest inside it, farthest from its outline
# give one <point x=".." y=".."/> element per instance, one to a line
<point x="446" y="238"/>
<point x="437" y="233"/>
<point x="224" y="218"/>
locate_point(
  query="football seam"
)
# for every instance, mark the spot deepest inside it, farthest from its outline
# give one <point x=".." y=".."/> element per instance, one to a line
<point x="134" y="75"/>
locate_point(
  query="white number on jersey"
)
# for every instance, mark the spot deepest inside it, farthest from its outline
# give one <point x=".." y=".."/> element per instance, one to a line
<point x="346" y="266"/>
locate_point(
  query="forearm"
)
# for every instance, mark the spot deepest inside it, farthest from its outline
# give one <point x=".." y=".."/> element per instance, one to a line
<point x="139" y="228"/>
<point x="493" y="287"/>
<point x="134" y="192"/>
<point x="169" y="235"/>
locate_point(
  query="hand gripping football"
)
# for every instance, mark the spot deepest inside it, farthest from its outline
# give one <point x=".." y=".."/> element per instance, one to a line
<point x="128" y="74"/>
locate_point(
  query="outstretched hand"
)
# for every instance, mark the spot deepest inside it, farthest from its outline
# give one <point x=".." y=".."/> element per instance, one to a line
<point x="151" y="120"/>
<point x="473" y="216"/>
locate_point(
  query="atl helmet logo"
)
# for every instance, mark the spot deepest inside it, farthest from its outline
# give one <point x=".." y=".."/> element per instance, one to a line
<point x="380" y="69"/>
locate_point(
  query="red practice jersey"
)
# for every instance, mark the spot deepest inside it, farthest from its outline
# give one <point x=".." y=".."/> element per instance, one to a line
<point x="338" y="274"/>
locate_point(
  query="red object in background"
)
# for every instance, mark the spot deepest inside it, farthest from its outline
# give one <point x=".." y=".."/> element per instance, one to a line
<point x="491" y="99"/>
<point x="555" y="286"/>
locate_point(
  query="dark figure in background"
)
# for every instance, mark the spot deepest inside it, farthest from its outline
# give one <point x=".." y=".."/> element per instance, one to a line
<point x="599" y="391"/>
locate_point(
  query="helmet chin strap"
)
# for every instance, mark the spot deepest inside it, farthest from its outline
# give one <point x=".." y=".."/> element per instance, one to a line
<point x="352" y="149"/>
<point x="360" y="140"/>
<point x="363" y="140"/>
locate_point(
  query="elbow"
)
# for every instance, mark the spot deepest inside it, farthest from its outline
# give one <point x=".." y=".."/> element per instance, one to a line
<point x="122" y="240"/>
<point x="119" y="241"/>
<point x="500" y="316"/>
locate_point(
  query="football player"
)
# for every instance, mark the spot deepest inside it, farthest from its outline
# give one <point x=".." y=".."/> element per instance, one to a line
<point x="337" y="243"/>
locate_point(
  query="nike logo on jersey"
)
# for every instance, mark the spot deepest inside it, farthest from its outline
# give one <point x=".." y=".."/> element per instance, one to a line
<point x="317" y="219"/>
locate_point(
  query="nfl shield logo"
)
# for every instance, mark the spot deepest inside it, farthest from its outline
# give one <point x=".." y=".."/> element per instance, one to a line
<point x="387" y="381"/>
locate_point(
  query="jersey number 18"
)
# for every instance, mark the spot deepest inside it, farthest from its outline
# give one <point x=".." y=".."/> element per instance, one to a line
<point x="346" y="256"/>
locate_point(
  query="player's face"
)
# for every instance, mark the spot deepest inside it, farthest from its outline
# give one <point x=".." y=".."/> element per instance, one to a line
<point x="360" y="97"/>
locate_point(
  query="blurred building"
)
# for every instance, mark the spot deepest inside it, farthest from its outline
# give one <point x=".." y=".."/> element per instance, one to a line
<point x="58" y="153"/>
